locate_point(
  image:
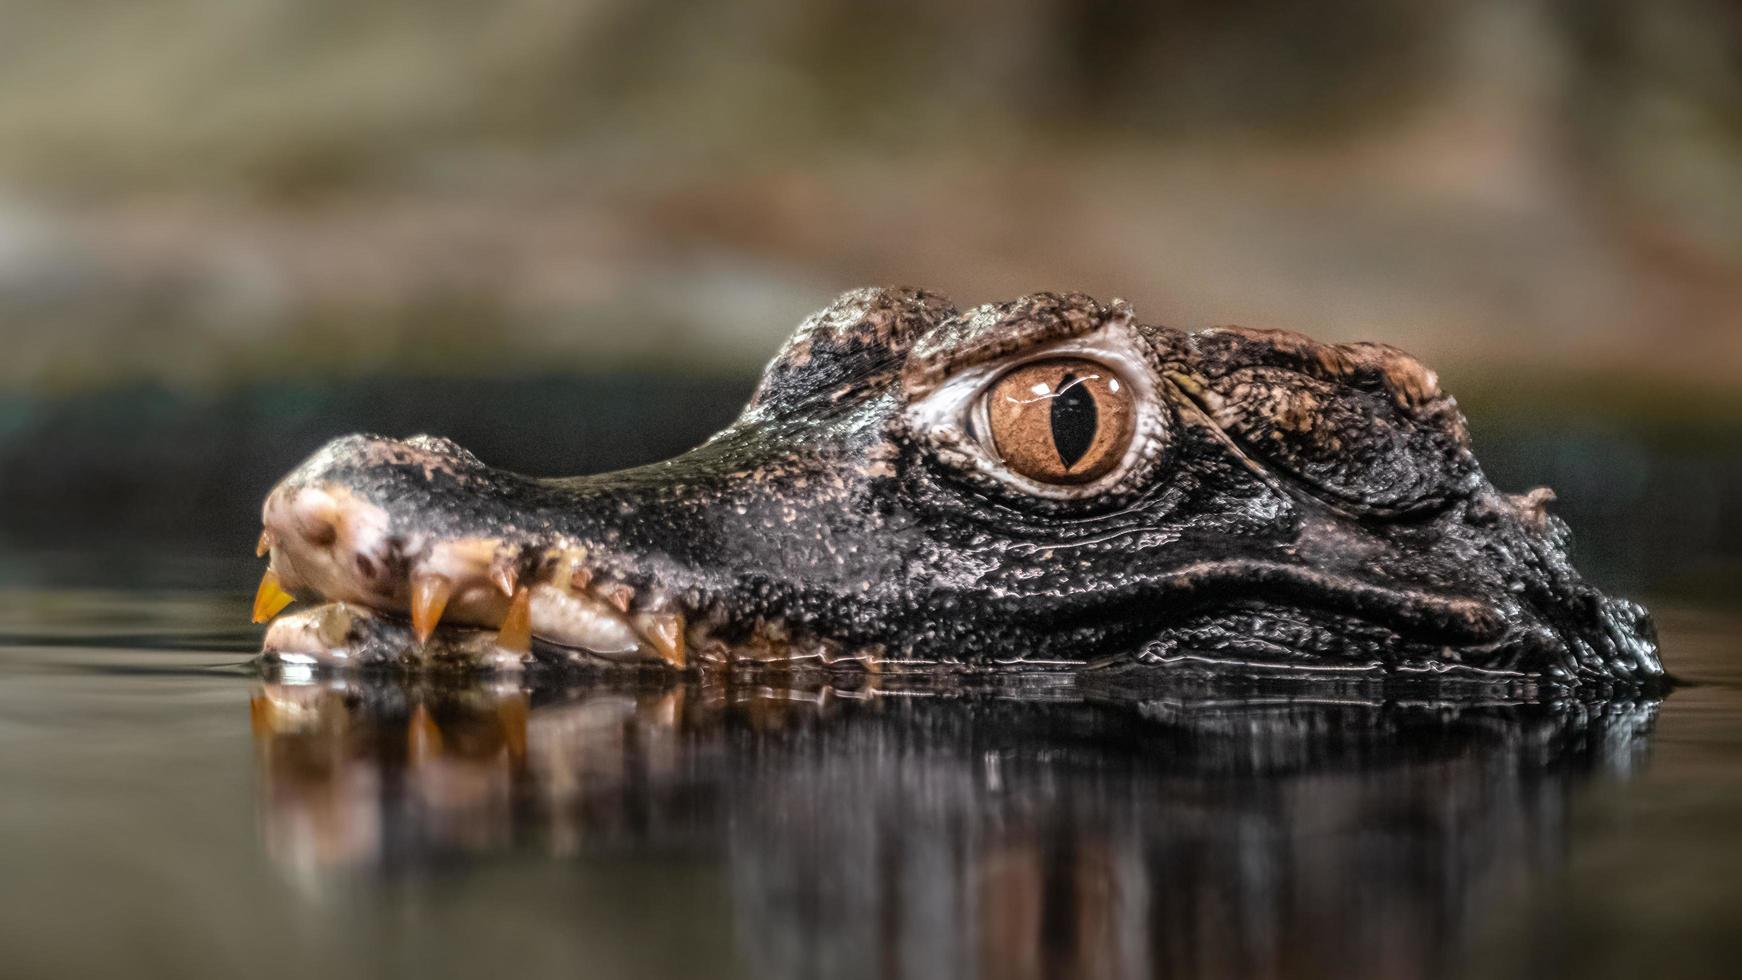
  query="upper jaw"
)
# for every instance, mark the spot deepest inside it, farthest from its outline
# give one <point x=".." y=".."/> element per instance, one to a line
<point x="502" y="570"/>
<point x="413" y="528"/>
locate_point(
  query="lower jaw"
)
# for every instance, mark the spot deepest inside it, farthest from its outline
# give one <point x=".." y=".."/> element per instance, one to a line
<point x="342" y="636"/>
<point x="339" y="636"/>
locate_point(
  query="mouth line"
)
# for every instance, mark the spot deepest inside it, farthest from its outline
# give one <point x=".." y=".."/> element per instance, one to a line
<point x="1230" y="584"/>
<point x="340" y="634"/>
<point x="511" y="598"/>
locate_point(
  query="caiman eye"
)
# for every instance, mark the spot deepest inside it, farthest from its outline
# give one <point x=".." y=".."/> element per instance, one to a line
<point x="1062" y="421"/>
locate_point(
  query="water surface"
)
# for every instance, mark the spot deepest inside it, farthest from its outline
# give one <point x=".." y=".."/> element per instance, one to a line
<point x="164" y="811"/>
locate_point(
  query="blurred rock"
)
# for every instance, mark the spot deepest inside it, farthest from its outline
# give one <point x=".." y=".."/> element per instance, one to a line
<point x="211" y="193"/>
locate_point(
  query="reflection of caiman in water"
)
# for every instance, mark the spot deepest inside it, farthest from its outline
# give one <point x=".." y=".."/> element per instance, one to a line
<point x="1041" y="484"/>
<point x="1042" y="830"/>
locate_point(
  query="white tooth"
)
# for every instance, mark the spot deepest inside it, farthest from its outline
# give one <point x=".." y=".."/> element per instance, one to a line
<point x="560" y="572"/>
<point x="562" y="617"/>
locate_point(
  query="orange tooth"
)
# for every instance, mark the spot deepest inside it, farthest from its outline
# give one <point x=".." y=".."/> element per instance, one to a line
<point x="505" y="578"/>
<point x="663" y="632"/>
<point x="516" y="631"/>
<point x="270" y="599"/>
<point x="429" y="597"/>
<point x="263" y="547"/>
<point x="617" y="594"/>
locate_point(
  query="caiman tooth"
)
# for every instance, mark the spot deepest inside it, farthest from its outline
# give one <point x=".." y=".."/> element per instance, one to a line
<point x="429" y="597"/>
<point x="664" y="631"/>
<point x="559" y="573"/>
<point x="616" y="594"/>
<point x="263" y="547"/>
<point x="515" y="633"/>
<point x="580" y="576"/>
<point x="505" y="578"/>
<point x="270" y="599"/>
<point x="565" y="568"/>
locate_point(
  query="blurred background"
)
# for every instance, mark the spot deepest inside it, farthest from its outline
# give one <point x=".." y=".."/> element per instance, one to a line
<point x="569" y="234"/>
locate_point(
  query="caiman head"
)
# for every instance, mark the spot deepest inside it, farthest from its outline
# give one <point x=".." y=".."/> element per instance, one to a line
<point x="1040" y="484"/>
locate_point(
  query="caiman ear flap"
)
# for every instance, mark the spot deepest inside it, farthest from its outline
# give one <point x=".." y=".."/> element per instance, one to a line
<point x="1363" y="426"/>
<point x="855" y="343"/>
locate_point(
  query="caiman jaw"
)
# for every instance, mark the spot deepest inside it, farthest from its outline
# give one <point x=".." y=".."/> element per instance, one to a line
<point x="326" y="542"/>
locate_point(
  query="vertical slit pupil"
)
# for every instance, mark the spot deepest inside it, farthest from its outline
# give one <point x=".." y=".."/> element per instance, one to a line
<point x="1074" y="420"/>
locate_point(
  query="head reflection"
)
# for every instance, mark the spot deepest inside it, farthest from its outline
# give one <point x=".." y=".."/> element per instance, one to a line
<point x="994" y="831"/>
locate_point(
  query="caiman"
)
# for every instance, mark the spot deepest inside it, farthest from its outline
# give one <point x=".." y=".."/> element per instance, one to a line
<point x="1045" y="484"/>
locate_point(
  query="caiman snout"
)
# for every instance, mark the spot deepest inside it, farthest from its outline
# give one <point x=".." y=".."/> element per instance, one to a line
<point x="420" y="528"/>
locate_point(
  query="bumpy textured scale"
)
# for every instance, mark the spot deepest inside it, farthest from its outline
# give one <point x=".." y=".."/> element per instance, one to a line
<point x="1040" y="484"/>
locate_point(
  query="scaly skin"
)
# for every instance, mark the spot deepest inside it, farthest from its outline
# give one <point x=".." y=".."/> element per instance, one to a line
<point x="1284" y="506"/>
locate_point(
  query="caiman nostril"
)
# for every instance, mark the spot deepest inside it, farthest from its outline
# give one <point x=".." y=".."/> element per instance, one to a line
<point x="320" y="533"/>
<point x="316" y="516"/>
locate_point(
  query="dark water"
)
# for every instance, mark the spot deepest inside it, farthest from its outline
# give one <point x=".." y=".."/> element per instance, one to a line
<point x="164" y="812"/>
